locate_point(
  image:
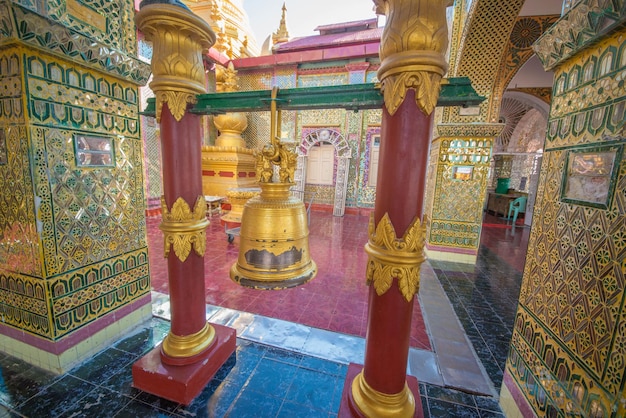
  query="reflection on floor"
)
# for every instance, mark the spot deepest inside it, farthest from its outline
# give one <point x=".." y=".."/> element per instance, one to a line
<point x="285" y="369"/>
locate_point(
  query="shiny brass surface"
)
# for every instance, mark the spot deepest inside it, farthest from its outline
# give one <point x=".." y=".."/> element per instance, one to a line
<point x="179" y="38"/>
<point x="181" y="346"/>
<point x="238" y="198"/>
<point x="274" y="241"/>
<point x="374" y="404"/>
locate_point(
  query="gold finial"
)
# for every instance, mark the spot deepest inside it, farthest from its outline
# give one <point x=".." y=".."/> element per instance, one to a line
<point x="412" y="51"/>
<point x="281" y="35"/>
<point x="226" y="78"/>
<point x="277" y="152"/>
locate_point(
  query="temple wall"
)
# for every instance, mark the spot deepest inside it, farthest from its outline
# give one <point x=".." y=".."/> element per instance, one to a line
<point x="74" y="271"/>
<point x="568" y="349"/>
<point x="458" y="176"/>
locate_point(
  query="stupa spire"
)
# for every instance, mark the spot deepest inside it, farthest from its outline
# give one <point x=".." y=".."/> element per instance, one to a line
<point x="282" y="34"/>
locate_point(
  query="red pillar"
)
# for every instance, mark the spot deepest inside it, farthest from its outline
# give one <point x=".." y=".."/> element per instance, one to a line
<point x="193" y="351"/>
<point x="182" y="179"/>
<point x="412" y="64"/>
<point x="404" y="149"/>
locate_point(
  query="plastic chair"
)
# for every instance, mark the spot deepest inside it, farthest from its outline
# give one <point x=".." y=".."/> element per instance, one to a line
<point x="517" y="206"/>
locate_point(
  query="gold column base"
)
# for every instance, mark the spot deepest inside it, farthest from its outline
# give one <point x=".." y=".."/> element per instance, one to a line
<point x="374" y="404"/>
<point x="181" y="347"/>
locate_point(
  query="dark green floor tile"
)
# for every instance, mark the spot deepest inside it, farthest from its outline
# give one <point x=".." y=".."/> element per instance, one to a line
<point x="449" y="395"/>
<point x="19" y="388"/>
<point x="439" y="408"/>
<point x="425" y="410"/>
<point x="490" y="414"/>
<point x="104" y="365"/>
<point x="57" y="398"/>
<point x="141" y="342"/>
<point x="99" y="403"/>
<point x="157" y="402"/>
<point x="487" y="403"/>
<point x="122" y="382"/>
<point x="136" y="409"/>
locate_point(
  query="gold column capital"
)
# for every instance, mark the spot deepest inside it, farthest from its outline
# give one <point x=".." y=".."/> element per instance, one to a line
<point x="179" y="39"/>
<point x="412" y="50"/>
<point x="390" y="257"/>
<point x="183" y="228"/>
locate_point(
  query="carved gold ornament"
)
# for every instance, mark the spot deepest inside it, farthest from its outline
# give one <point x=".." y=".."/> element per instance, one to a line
<point x="178" y="346"/>
<point x="412" y="50"/>
<point x="179" y="40"/>
<point x="391" y="257"/>
<point x="183" y="228"/>
<point x="375" y="404"/>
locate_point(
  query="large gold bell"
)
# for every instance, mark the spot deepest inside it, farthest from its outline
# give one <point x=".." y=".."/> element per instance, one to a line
<point x="274" y="241"/>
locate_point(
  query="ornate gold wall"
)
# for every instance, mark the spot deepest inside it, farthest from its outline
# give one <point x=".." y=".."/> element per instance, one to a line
<point x="568" y="351"/>
<point x="458" y="173"/>
<point x="73" y="239"/>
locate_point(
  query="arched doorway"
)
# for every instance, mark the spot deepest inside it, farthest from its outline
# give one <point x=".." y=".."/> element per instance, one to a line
<point x="342" y="157"/>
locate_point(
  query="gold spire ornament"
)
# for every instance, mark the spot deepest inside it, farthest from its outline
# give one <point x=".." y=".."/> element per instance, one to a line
<point x="274" y="236"/>
<point x="282" y="34"/>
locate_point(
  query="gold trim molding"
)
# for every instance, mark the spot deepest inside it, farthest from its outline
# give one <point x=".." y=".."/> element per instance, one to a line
<point x="183" y="228"/>
<point x="181" y="346"/>
<point x="412" y="50"/>
<point x="390" y="257"/>
<point x="179" y="39"/>
<point x="375" y="404"/>
<point x="470" y="130"/>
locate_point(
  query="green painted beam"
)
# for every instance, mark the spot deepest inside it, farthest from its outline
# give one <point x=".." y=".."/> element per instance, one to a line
<point x="454" y="92"/>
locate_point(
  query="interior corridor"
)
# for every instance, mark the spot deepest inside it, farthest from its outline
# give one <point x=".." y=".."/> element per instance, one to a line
<point x="294" y="345"/>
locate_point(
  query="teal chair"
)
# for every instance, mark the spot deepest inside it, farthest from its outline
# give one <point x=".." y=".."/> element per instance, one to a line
<point x="516" y="207"/>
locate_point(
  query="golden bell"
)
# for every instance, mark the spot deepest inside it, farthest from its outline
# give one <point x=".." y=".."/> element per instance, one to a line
<point x="273" y="241"/>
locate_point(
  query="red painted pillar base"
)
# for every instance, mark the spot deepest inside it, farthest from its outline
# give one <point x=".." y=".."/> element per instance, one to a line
<point x="183" y="383"/>
<point x="348" y="409"/>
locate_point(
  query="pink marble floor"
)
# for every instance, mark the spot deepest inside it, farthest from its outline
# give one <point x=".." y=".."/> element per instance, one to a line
<point x="509" y="242"/>
<point x="335" y="300"/>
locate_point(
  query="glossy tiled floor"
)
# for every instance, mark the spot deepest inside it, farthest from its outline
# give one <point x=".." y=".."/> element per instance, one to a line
<point x="335" y="300"/>
<point x="300" y="373"/>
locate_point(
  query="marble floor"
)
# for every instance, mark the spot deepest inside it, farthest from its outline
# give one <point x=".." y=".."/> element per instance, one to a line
<point x="284" y="367"/>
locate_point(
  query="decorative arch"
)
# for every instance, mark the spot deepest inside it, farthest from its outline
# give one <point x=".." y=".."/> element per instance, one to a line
<point x="342" y="154"/>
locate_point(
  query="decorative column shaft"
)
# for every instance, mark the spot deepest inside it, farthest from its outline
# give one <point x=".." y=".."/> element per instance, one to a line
<point x="412" y="65"/>
<point x="193" y="350"/>
<point x="179" y="40"/>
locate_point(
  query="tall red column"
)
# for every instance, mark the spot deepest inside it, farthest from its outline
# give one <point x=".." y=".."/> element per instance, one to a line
<point x="193" y="350"/>
<point x="412" y="65"/>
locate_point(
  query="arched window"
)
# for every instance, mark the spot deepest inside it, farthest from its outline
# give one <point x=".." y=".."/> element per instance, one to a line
<point x="606" y="65"/>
